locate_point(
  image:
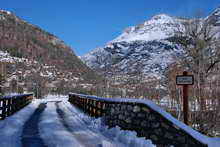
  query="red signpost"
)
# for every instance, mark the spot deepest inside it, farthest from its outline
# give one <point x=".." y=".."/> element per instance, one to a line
<point x="185" y="80"/>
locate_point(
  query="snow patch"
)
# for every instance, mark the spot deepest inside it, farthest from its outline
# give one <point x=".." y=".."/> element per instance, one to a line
<point x="52" y="131"/>
<point x="7" y="12"/>
<point x="6" y="57"/>
<point x="11" y="127"/>
<point x="77" y="120"/>
<point x="120" y="137"/>
<point x="158" y="27"/>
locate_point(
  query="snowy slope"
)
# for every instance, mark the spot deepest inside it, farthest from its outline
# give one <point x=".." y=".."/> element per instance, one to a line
<point x="158" y="27"/>
<point x="144" y="48"/>
<point x="147" y="57"/>
<point x="214" y="18"/>
<point x="6" y="57"/>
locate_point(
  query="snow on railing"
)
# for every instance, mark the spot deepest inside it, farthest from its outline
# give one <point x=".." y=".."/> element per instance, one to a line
<point x="142" y="116"/>
<point x="13" y="103"/>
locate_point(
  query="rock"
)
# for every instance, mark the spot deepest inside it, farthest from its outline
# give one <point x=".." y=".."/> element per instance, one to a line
<point x="145" y="109"/>
<point x="128" y="120"/>
<point x="181" y="139"/>
<point x="141" y="115"/>
<point x="164" y="125"/>
<point x="127" y="113"/>
<point x="112" y="111"/>
<point x="116" y="122"/>
<point x="144" y="123"/>
<point x="158" y="132"/>
<point x="136" y="109"/>
<point x="121" y="117"/>
<point x="136" y="123"/>
<point x="151" y="117"/>
<point x="132" y="115"/>
<point x="123" y="107"/>
<point x="117" y="109"/>
<point x="168" y="135"/>
<point x="114" y="116"/>
<point x="155" y="125"/>
<point x="129" y="108"/>
<point x="154" y="137"/>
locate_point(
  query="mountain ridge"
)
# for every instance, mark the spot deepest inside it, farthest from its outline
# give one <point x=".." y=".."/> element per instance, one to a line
<point x="146" y="38"/>
<point x="49" y="59"/>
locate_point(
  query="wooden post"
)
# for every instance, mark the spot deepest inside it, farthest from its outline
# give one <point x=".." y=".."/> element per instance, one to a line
<point x="185" y="100"/>
<point x="185" y="80"/>
<point x="4" y="109"/>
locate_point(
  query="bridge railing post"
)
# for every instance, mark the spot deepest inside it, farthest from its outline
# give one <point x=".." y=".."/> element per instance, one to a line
<point x="3" y="108"/>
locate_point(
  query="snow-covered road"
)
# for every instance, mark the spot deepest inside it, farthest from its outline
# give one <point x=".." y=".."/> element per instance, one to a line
<point x="54" y="122"/>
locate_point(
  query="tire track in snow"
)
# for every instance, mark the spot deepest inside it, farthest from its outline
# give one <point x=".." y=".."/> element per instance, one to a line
<point x="61" y="115"/>
<point x="79" y="131"/>
<point x="52" y="131"/>
<point x="30" y="134"/>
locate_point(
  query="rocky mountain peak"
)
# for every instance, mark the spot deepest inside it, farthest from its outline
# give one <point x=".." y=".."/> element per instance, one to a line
<point x="5" y="12"/>
<point x="217" y="11"/>
<point x="162" y="18"/>
<point x="214" y="18"/>
<point x="158" y="27"/>
<point x="145" y="48"/>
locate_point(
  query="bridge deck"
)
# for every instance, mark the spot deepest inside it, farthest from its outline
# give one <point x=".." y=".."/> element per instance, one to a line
<point x="49" y="123"/>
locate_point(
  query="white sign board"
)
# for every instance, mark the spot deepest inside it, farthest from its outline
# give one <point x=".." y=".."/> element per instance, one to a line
<point x="185" y="80"/>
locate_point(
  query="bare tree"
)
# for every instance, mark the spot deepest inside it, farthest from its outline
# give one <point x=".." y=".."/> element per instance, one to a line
<point x="201" y="45"/>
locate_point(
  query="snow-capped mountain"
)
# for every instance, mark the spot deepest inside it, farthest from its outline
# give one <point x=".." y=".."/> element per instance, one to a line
<point x="214" y="18"/>
<point x="148" y="57"/>
<point x="147" y="48"/>
<point x="158" y="27"/>
<point x="143" y="48"/>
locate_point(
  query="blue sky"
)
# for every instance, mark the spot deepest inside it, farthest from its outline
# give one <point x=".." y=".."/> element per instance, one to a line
<point x="87" y="24"/>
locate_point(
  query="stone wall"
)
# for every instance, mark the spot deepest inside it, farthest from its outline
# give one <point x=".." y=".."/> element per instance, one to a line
<point x="136" y="116"/>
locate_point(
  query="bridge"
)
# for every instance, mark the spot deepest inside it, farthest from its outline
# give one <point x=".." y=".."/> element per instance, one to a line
<point x="90" y="121"/>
